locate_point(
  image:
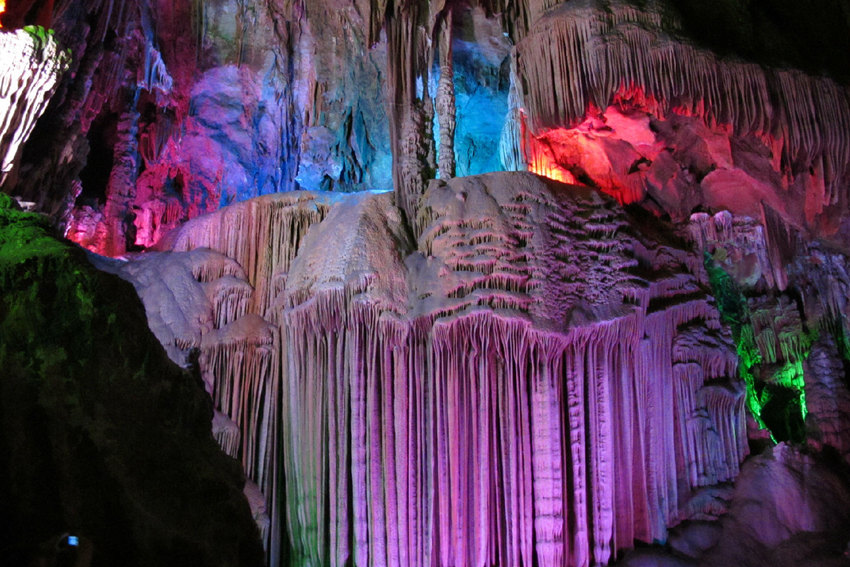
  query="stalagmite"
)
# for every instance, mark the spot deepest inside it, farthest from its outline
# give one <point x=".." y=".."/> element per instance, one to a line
<point x="409" y="26"/>
<point x="120" y="189"/>
<point x="511" y="139"/>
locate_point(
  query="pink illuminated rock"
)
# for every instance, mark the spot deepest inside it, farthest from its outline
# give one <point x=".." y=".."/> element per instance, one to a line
<point x="779" y="494"/>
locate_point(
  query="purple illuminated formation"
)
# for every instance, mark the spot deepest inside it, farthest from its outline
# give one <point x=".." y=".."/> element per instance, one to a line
<point x="449" y="282"/>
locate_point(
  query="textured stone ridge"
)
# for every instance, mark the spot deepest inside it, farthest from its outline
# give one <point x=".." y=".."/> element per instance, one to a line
<point x="100" y="434"/>
<point x="533" y="379"/>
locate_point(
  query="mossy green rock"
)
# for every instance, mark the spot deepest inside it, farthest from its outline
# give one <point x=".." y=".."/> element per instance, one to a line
<point x="101" y="435"/>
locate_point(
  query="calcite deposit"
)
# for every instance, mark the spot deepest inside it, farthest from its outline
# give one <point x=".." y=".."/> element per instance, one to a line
<point x="533" y="369"/>
<point x="474" y="282"/>
<point x="32" y="63"/>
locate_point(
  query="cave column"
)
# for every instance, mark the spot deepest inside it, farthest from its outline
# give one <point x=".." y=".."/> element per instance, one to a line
<point x="411" y="109"/>
<point x="121" y="188"/>
<point x="446" y="101"/>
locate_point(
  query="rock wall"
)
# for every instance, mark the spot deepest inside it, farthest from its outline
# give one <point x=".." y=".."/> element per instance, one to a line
<point x="102" y="437"/>
<point x="175" y="109"/>
<point x="480" y="370"/>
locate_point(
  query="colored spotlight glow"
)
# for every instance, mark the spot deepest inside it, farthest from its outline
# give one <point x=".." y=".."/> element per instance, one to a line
<point x="2" y="9"/>
<point x="543" y="164"/>
<point x="73" y="541"/>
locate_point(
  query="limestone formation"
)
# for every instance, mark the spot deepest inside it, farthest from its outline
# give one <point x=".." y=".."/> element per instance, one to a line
<point x="499" y="377"/>
<point x="581" y="58"/>
<point x="418" y="361"/>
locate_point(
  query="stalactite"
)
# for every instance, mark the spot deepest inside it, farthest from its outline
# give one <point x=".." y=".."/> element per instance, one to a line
<point x="517" y="17"/>
<point x="109" y="15"/>
<point x="198" y="25"/>
<point x="155" y="76"/>
<point x="581" y="460"/>
<point x="31" y="67"/>
<point x="242" y="357"/>
<point x="227" y="434"/>
<point x="230" y="298"/>
<point x="511" y="388"/>
<point x="579" y="56"/>
<point x="781" y="244"/>
<point x="262" y="235"/>
<point x="778" y="331"/>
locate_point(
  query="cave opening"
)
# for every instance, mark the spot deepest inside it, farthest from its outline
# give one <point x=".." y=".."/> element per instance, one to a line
<point x="94" y="177"/>
<point x="782" y="413"/>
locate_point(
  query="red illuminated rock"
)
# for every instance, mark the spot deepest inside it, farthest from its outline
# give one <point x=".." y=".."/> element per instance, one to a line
<point x="632" y="109"/>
